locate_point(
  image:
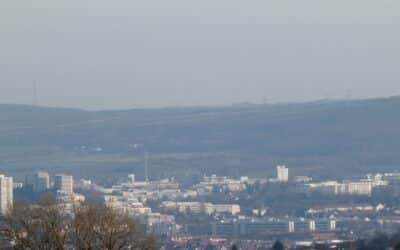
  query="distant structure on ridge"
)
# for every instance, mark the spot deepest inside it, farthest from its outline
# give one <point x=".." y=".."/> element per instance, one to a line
<point x="146" y="166"/>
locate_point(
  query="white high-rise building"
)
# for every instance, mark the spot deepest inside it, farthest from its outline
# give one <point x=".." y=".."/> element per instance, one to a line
<point x="41" y="181"/>
<point x="332" y="225"/>
<point x="312" y="226"/>
<point x="132" y="178"/>
<point x="291" y="227"/>
<point x="6" y="193"/>
<point x="282" y="173"/>
<point x="64" y="183"/>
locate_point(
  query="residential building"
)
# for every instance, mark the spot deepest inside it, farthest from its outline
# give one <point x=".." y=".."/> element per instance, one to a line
<point x="232" y="209"/>
<point x="272" y="226"/>
<point x="41" y="181"/>
<point x="127" y="205"/>
<point x="64" y="183"/>
<point x="348" y="188"/>
<point x="302" y="179"/>
<point x="131" y="178"/>
<point x="360" y="188"/>
<point x="282" y="173"/>
<point x="200" y="207"/>
<point x="6" y="193"/>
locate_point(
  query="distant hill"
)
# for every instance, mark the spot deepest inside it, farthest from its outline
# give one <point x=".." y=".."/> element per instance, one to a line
<point x="315" y="138"/>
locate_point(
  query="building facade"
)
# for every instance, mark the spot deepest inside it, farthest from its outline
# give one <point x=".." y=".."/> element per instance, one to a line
<point x="41" y="181"/>
<point x="64" y="183"/>
<point x="282" y="173"/>
<point x="6" y="194"/>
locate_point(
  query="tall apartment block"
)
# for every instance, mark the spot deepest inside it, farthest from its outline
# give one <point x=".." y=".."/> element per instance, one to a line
<point x="64" y="183"/>
<point x="41" y="181"/>
<point x="6" y="193"/>
<point x="282" y="173"/>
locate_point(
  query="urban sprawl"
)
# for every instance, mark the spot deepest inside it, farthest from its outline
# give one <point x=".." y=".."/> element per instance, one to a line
<point x="221" y="211"/>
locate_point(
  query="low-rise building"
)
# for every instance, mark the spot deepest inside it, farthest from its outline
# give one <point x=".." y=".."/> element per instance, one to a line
<point x="126" y="205"/>
<point x="362" y="188"/>
<point x="232" y="209"/>
<point x="271" y="227"/>
<point x="201" y="207"/>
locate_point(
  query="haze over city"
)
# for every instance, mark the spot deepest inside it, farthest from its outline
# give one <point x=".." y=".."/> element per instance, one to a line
<point x="110" y="55"/>
<point x="200" y="125"/>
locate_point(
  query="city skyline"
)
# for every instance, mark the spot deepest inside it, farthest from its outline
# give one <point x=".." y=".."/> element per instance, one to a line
<point x="206" y="124"/>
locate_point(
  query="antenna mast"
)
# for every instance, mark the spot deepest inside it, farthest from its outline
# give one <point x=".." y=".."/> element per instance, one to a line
<point x="146" y="166"/>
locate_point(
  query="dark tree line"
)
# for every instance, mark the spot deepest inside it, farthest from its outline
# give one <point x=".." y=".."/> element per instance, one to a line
<point x="380" y="242"/>
<point x="47" y="226"/>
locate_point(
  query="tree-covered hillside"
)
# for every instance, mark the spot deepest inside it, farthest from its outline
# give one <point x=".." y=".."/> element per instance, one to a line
<point x="319" y="137"/>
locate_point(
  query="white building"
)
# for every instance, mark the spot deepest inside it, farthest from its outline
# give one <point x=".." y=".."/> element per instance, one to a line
<point x="232" y="209"/>
<point x="200" y="207"/>
<point x="6" y="193"/>
<point x="131" y="178"/>
<point x="356" y="188"/>
<point x="302" y="179"/>
<point x="41" y="181"/>
<point x="282" y="173"/>
<point x="348" y="188"/>
<point x="184" y="206"/>
<point x="209" y="183"/>
<point x="312" y="226"/>
<point x="18" y="185"/>
<point x="291" y="227"/>
<point x="126" y="205"/>
<point x="332" y="225"/>
<point x="64" y="183"/>
<point x="160" y="224"/>
<point x="328" y="187"/>
<point x="377" y="180"/>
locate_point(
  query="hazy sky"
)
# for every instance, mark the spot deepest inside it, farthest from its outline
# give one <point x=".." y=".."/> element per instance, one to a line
<point x="122" y="54"/>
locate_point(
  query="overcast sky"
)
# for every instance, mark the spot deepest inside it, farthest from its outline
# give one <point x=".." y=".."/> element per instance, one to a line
<point x="99" y="54"/>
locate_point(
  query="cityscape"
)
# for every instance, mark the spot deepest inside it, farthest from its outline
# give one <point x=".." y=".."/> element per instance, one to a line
<point x="220" y="211"/>
<point x="199" y="125"/>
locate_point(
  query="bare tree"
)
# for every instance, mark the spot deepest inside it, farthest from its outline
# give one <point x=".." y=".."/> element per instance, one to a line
<point x="148" y="243"/>
<point x="82" y="227"/>
<point x="114" y="231"/>
<point x="36" y="227"/>
<point x="47" y="226"/>
<point x="278" y="246"/>
<point x="104" y="228"/>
